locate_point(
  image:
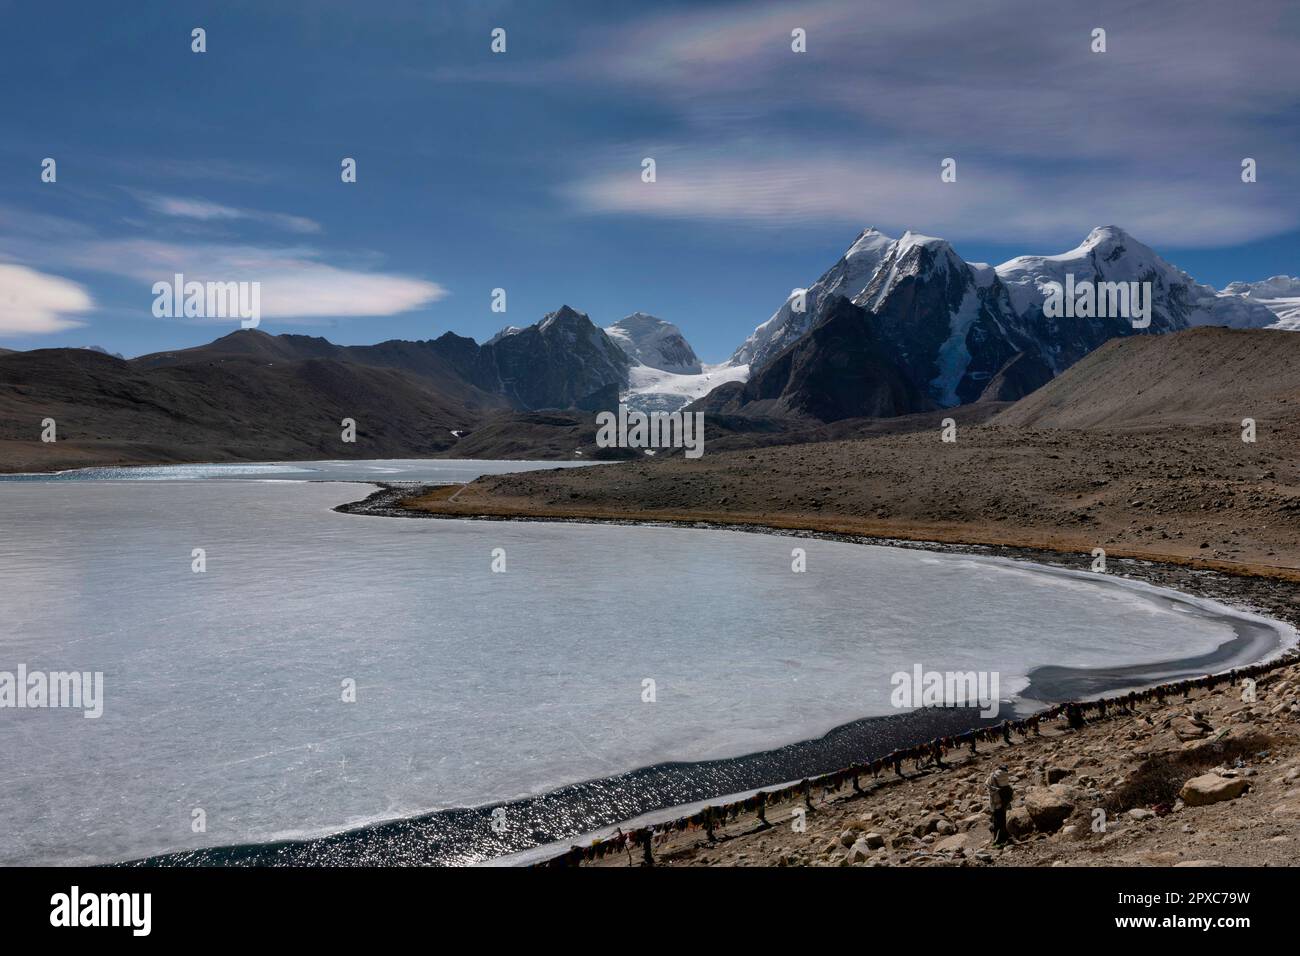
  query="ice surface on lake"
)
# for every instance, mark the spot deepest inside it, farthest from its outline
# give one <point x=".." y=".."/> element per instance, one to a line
<point x="427" y="470"/>
<point x="223" y="689"/>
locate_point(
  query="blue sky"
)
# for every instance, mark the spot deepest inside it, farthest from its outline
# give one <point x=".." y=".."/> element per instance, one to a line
<point x="522" y="170"/>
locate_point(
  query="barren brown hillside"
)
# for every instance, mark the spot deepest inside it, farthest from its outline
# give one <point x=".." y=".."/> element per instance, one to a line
<point x="1202" y="376"/>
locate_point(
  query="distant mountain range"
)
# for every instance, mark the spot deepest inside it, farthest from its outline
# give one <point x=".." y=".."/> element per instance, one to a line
<point x="895" y="327"/>
<point x="956" y="332"/>
<point x="1280" y="295"/>
<point x="563" y="361"/>
<point x="952" y="332"/>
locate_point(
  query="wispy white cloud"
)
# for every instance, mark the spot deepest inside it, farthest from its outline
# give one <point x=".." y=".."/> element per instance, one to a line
<point x="1049" y="136"/>
<point x="34" y="303"/>
<point x="206" y="211"/>
<point x="896" y="191"/>
<point x="296" y="284"/>
<point x="300" y="284"/>
<point x="1011" y="77"/>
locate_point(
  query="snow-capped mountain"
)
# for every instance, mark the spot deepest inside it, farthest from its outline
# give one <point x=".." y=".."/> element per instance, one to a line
<point x="961" y="331"/>
<point x="1279" y="294"/>
<point x="896" y="325"/>
<point x="567" y="361"/>
<point x="654" y="343"/>
<point x="848" y="278"/>
<point x="665" y="373"/>
<point x="1277" y="287"/>
<point x="949" y="322"/>
<point x="1109" y="254"/>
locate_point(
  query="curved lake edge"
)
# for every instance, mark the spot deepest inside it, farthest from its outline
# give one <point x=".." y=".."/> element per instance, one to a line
<point x="1276" y="598"/>
<point x="548" y="821"/>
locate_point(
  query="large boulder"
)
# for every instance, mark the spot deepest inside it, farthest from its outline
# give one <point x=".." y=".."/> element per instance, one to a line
<point x="961" y="842"/>
<point x="1211" y="788"/>
<point x="1019" y="823"/>
<point x="1048" y="808"/>
<point x="860" y="852"/>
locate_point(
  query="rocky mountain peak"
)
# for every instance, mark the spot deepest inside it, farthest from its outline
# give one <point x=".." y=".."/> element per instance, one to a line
<point x="954" y="327"/>
<point x="655" y="343"/>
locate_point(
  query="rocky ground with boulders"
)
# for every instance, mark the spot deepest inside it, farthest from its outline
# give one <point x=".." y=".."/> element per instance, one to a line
<point x="1210" y="779"/>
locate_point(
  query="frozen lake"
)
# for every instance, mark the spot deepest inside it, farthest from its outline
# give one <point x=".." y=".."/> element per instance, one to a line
<point x="223" y="689"/>
<point x="425" y="470"/>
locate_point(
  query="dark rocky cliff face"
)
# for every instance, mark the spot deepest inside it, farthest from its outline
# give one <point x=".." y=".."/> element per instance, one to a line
<point x="840" y="369"/>
<point x="558" y="363"/>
